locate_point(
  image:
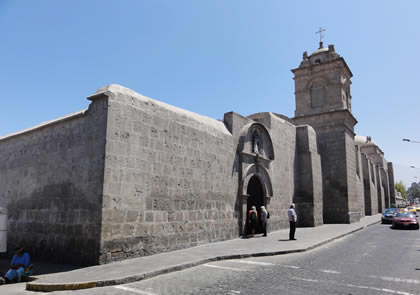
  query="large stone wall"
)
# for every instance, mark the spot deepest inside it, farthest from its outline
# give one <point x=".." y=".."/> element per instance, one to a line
<point x="51" y="184"/>
<point x="392" y="190"/>
<point x="334" y="130"/>
<point x="334" y="170"/>
<point x="380" y="189"/>
<point x="385" y="185"/>
<point x="382" y="175"/>
<point x="359" y="182"/>
<point x="370" y="191"/>
<point x="132" y="176"/>
<point x="308" y="196"/>
<point x="356" y="203"/>
<point x="175" y="179"/>
<point x="169" y="178"/>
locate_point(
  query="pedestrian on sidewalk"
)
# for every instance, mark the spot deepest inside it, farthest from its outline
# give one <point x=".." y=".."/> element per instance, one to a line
<point x="264" y="220"/>
<point x="253" y="219"/>
<point x="292" y="220"/>
<point x="19" y="268"/>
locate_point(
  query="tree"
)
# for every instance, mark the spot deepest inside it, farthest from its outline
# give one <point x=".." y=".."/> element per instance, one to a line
<point x="413" y="191"/>
<point x="400" y="187"/>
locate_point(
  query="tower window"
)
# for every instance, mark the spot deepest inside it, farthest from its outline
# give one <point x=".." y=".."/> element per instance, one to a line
<point x="317" y="95"/>
<point x="348" y="99"/>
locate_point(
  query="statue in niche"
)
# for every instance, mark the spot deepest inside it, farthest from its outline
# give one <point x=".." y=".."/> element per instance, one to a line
<point x="256" y="143"/>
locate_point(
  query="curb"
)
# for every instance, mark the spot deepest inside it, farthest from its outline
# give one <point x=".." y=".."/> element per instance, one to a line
<point x="59" y="287"/>
<point x="44" y="287"/>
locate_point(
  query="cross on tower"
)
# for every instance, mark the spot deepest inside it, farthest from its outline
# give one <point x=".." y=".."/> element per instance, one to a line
<point x="320" y="33"/>
<point x="320" y="36"/>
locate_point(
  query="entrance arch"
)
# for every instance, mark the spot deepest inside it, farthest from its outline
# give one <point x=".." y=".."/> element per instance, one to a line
<point x="255" y="152"/>
<point x="255" y="193"/>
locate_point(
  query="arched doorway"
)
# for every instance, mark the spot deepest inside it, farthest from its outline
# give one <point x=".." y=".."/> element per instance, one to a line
<point x="255" y="198"/>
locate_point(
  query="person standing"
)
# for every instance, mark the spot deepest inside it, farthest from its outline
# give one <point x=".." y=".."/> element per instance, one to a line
<point x="253" y="219"/>
<point x="292" y="220"/>
<point x="264" y="220"/>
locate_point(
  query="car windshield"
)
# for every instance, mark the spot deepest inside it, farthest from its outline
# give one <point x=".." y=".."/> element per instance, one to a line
<point x="390" y="210"/>
<point x="404" y="214"/>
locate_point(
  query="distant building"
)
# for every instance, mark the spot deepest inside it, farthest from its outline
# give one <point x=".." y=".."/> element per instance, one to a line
<point x="399" y="200"/>
<point x="132" y="176"/>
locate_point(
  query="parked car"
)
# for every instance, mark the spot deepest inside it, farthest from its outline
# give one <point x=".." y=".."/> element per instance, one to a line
<point x="388" y="214"/>
<point x="412" y="209"/>
<point x="405" y="220"/>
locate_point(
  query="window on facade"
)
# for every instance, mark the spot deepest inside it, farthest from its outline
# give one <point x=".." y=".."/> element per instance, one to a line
<point x="317" y="95"/>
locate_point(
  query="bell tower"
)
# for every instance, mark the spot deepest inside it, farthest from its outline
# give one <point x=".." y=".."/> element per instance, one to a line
<point x="322" y="83"/>
<point x="323" y="101"/>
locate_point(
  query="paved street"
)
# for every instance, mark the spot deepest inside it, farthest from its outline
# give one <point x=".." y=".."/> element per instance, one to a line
<point x="377" y="260"/>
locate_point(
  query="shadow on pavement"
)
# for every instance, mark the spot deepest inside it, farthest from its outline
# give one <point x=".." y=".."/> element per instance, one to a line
<point x="40" y="267"/>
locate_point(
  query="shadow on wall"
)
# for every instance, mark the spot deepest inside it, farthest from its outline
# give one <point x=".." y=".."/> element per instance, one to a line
<point x="57" y="223"/>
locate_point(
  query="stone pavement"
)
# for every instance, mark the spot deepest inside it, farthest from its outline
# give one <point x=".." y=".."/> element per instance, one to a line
<point x="136" y="269"/>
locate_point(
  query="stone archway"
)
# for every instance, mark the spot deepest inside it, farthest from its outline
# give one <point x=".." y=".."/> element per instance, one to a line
<point x="255" y="193"/>
<point x="256" y="152"/>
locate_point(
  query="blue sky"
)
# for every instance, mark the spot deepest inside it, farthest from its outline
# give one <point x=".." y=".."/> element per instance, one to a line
<point x="212" y="57"/>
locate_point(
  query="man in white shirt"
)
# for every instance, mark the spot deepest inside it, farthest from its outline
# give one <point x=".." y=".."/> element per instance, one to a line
<point x="292" y="220"/>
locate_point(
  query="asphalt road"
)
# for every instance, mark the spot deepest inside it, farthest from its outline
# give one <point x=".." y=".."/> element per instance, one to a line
<point x="377" y="260"/>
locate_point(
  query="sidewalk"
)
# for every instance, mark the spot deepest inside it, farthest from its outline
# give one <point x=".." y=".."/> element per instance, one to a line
<point x="150" y="266"/>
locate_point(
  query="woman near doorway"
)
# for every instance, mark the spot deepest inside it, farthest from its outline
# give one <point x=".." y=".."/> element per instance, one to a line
<point x="253" y="219"/>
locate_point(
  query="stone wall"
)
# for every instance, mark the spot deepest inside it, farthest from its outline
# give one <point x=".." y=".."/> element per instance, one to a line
<point x="283" y="169"/>
<point x="385" y="186"/>
<point x="383" y="174"/>
<point x="132" y="176"/>
<point x="175" y="179"/>
<point x="380" y="189"/>
<point x="169" y="178"/>
<point x="354" y="180"/>
<point x="359" y="182"/>
<point x="308" y="196"/>
<point x="51" y="184"/>
<point x="370" y="191"/>
<point x="333" y="150"/>
<point x="391" y="180"/>
<point x="334" y="130"/>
